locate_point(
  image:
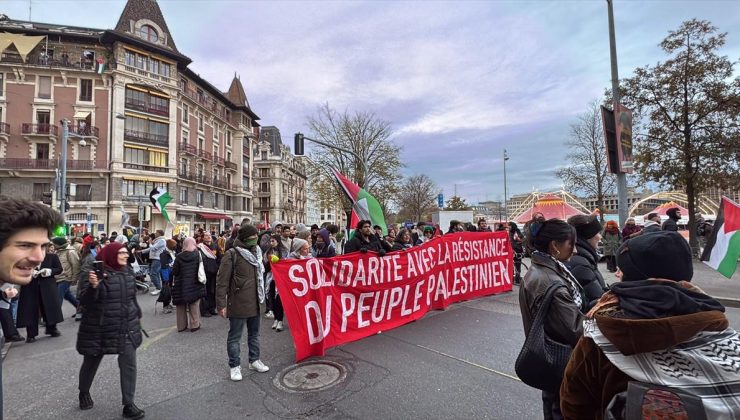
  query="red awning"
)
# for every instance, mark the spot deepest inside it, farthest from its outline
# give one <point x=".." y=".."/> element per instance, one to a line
<point x="213" y="216"/>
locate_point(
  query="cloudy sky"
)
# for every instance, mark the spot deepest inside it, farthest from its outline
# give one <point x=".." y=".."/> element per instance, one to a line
<point x="458" y="81"/>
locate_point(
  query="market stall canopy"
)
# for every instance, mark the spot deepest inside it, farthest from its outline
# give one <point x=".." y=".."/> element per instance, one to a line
<point x="23" y="43"/>
<point x="661" y="209"/>
<point x="551" y="206"/>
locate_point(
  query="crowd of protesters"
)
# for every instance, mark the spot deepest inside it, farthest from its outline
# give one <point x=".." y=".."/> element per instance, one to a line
<point x="230" y="275"/>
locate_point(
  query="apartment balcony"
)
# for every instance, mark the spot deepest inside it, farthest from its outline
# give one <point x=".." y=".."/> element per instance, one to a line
<point x="219" y="160"/>
<point x="86" y="165"/>
<point x="30" y="129"/>
<point x="147" y="138"/>
<point x="4" y="129"/>
<point x="13" y="163"/>
<point x="121" y="65"/>
<point x="263" y="193"/>
<point x="187" y="148"/>
<point x="231" y="165"/>
<point x="204" y="154"/>
<point x="85" y="130"/>
<point x="40" y="60"/>
<point x="193" y="176"/>
<point x="246" y="188"/>
<point x="142" y="167"/>
<point x="220" y="183"/>
<point x="149" y="107"/>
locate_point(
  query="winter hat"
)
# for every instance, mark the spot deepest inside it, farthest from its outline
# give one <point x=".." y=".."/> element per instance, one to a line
<point x="298" y="243"/>
<point x="109" y="255"/>
<point x="59" y="241"/>
<point x="588" y="228"/>
<point x="325" y="236"/>
<point x="88" y="241"/>
<point x="245" y="232"/>
<point x="664" y="255"/>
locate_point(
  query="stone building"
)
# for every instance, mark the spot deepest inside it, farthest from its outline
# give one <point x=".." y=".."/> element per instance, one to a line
<point x="147" y="121"/>
<point x="279" y="179"/>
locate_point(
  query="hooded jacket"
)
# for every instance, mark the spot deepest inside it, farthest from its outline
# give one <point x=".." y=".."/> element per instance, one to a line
<point x="686" y="350"/>
<point x="584" y="267"/>
<point x="70" y="260"/>
<point x="651" y="227"/>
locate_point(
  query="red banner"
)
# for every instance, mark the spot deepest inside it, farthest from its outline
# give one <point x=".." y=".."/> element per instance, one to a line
<point x="332" y="301"/>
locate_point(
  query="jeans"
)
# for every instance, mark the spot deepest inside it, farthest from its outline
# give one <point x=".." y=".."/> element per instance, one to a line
<point x="551" y="406"/>
<point x="236" y="327"/>
<point x="126" y="367"/>
<point x="154" y="273"/>
<point x="14" y="308"/>
<point x="65" y="293"/>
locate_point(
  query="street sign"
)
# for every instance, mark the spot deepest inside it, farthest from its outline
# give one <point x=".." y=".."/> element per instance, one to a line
<point x="441" y="200"/>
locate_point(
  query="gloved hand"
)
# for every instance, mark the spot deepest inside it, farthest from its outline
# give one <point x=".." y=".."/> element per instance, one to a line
<point x="363" y="250"/>
<point x="45" y="272"/>
<point x="36" y="273"/>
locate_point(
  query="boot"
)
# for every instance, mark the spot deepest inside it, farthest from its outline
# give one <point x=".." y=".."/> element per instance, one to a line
<point x="131" y="411"/>
<point x="86" y="401"/>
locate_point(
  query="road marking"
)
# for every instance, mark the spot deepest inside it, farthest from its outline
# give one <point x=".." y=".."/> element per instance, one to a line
<point x="149" y="342"/>
<point x="469" y="362"/>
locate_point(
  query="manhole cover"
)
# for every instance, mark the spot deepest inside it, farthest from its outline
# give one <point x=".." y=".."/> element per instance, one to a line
<point x="311" y="376"/>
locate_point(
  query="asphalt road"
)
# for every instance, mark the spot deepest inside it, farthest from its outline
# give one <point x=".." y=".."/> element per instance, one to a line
<point x="451" y="364"/>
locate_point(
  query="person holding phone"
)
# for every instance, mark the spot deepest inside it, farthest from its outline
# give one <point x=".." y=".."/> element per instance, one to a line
<point x="110" y="325"/>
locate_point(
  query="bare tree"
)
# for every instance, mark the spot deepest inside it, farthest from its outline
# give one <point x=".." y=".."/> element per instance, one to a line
<point x="588" y="172"/>
<point x="369" y="138"/>
<point x="417" y="197"/>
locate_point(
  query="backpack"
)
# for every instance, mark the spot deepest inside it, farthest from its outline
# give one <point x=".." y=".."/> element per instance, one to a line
<point x="648" y="401"/>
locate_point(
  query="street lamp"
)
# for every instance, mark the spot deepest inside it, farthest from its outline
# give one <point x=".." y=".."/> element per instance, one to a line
<point x="299" y="152"/>
<point x="63" y="170"/>
<point x="506" y="208"/>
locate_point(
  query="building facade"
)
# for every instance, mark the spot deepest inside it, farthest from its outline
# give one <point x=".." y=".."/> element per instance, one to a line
<point x="139" y="118"/>
<point x="280" y="180"/>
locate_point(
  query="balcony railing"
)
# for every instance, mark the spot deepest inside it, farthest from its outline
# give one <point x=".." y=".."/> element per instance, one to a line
<point x="231" y="165"/>
<point x="43" y="61"/>
<point x="40" y="129"/>
<point x="246" y="188"/>
<point x="13" y="163"/>
<point x="121" y="64"/>
<point x="85" y="130"/>
<point x="143" y="137"/>
<point x="143" y="167"/>
<point x="187" y="148"/>
<point x="205" y="154"/>
<point x="85" y="165"/>
<point x="4" y="128"/>
<point x="219" y="160"/>
<point x="145" y="106"/>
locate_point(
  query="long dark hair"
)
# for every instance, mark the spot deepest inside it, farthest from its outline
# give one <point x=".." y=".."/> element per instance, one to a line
<point x="553" y="230"/>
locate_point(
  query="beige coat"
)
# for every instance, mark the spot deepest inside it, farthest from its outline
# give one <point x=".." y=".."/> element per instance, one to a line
<point x="70" y="260"/>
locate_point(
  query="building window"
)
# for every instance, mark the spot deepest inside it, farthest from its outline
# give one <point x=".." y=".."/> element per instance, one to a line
<point x="215" y="150"/>
<point x="141" y="188"/>
<point x="185" y="114"/>
<point x="183" y="196"/>
<point x="215" y="132"/>
<point x="2" y="84"/>
<point x="185" y="137"/>
<point x="86" y="88"/>
<point x="199" y="197"/>
<point x="215" y="174"/>
<point x="146" y="131"/>
<point x="146" y="101"/>
<point x="148" y="33"/>
<point x="200" y="172"/>
<point x="228" y="156"/>
<point x="201" y="125"/>
<point x="249" y="204"/>
<point x="151" y="160"/>
<point x="215" y="200"/>
<point x="263" y="155"/>
<point x="39" y="189"/>
<point x="227" y="202"/>
<point x="228" y="133"/>
<point x="83" y="192"/>
<point x="42" y="151"/>
<point x="201" y="143"/>
<point x="264" y="172"/>
<point x="44" y="87"/>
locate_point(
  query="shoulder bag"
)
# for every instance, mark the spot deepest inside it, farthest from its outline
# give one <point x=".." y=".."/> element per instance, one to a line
<point x="201" y="270"/>
<point x="542" y="361"/>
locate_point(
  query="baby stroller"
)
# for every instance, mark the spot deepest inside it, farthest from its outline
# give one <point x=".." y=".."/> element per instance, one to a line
<point x="140" y="272"/>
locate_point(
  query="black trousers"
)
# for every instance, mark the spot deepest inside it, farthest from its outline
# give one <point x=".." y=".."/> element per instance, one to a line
<point x="6" y="321"/>
<point x="32" y="328"/>
<point x="277" y="303"/>
<point x="208" y="304"/>
<point x="551" y="405"/>
<point x="126" y="366"/>
<point x="611" y="263"/>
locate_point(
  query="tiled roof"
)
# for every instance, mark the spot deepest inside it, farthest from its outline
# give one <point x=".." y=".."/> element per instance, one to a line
<point x="236" y="93"/>
<point x="136" y="10"/>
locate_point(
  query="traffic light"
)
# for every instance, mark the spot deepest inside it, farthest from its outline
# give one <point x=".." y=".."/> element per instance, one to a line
<point x="46" y="198"/>
<point x="66" y="206"/>
<point x="60" y="230"/>
<point x="298" y="144"/>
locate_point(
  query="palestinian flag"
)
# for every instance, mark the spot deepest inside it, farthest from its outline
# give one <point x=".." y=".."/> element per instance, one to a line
<point x="723" y="246"/>
<point x="100" y="66"/>
<point x="160" y="197"/>
<point x="364" y="205"/>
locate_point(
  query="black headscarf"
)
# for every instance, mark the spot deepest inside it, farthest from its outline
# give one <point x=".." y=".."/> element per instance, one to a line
<point x="652" y="299"/>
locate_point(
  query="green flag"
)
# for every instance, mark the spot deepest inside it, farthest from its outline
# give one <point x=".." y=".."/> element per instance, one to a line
<point x="160" y="197"/>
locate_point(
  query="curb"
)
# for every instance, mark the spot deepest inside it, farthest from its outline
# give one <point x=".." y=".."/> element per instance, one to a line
<point x="728" y="302"/>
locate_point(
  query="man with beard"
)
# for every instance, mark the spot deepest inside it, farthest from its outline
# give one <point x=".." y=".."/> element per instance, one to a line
<point x="674" y="215"/>
<point x="366" y="240"/>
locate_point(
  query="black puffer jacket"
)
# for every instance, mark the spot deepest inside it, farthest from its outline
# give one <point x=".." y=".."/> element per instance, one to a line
<point x="584" y="267"/>
<point x="185" y="287"/>
<point x="111" y="315"/>
<point x="374" y="244"/>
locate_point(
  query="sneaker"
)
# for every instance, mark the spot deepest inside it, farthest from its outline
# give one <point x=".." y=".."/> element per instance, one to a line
<point x="279" y="326"/>
<point x="86" y="401"/>
<point x="54" y="333"/>
<point x="131" y="411"/>
<point x="269" y="315"/>
<point x="236" y="373"/>
<point x="166" y="310"/>
<point x="78" y="317"/>
<point x="275" y="324"/>
<point x="155" y="292"/>
<point x="258" y="366"/>
<point x="30" y="339"/>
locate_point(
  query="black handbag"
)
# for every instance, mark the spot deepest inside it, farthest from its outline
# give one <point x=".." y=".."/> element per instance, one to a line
<point x="542" y="361"/>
